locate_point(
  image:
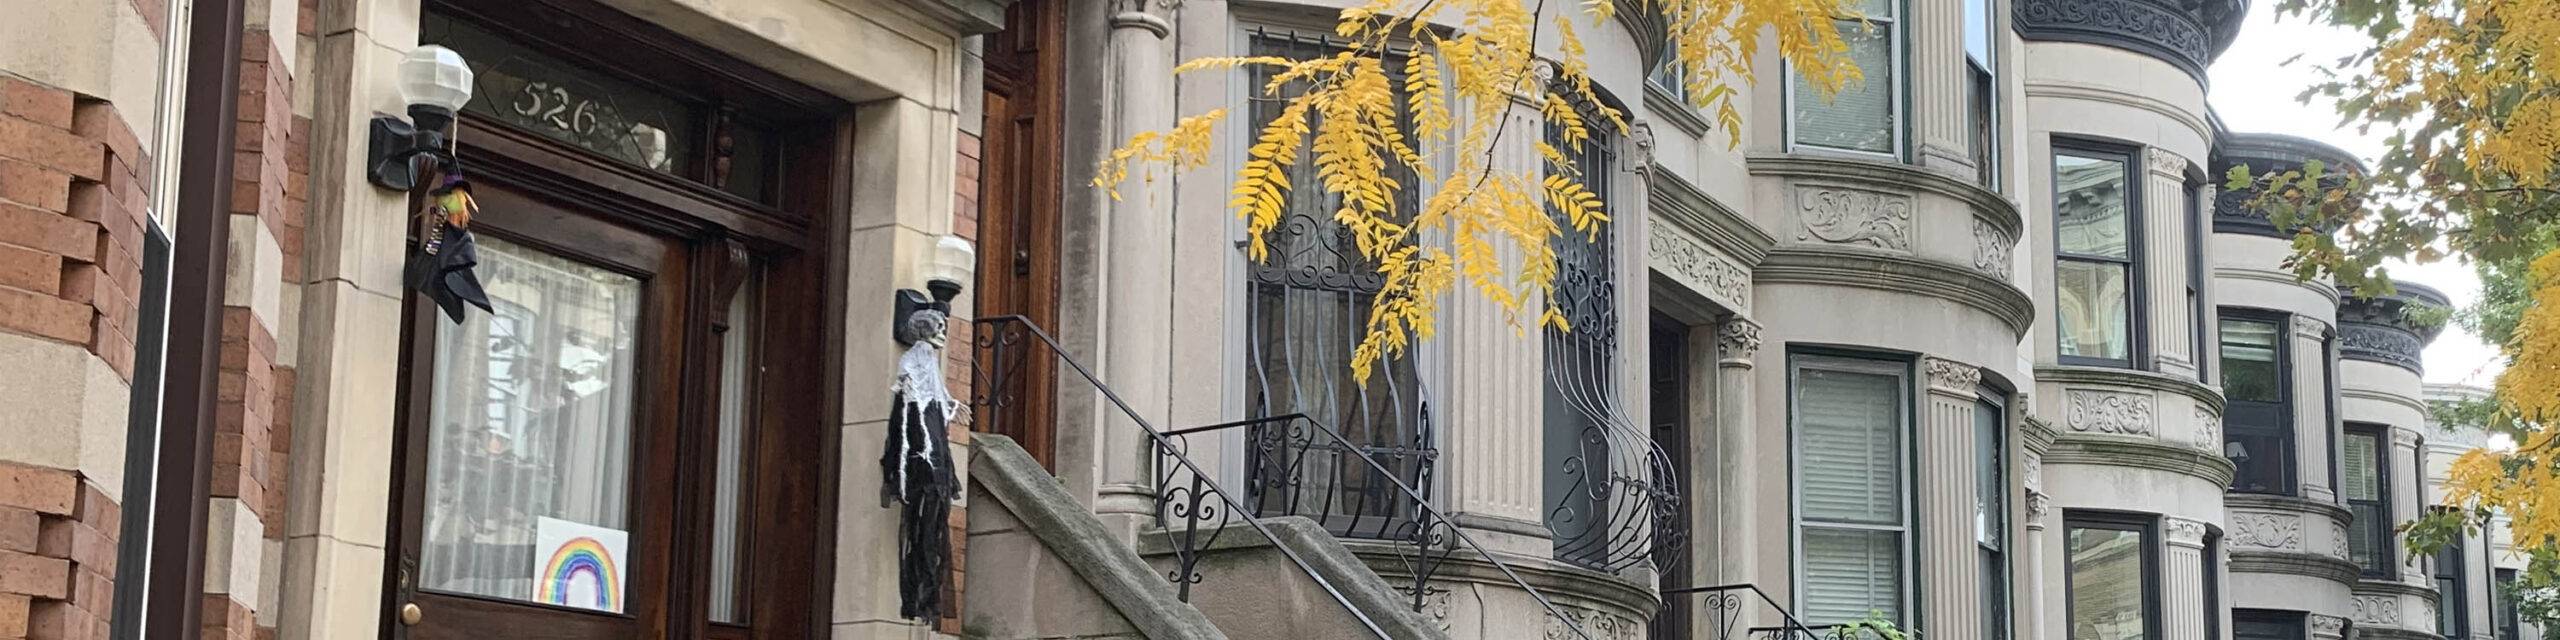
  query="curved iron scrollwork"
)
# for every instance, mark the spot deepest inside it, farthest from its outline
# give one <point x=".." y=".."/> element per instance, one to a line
<point x="1610" y="503"/>
<point x="1743" y="612"/>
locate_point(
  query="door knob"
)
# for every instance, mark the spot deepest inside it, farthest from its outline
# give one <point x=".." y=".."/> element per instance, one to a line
<point x="410" y="614"/>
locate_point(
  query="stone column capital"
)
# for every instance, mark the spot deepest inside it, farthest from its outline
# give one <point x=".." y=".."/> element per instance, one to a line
<point x="1949" y="376"/>
<point x="2167" y="163"/>
<point x="1738" y="340"/>
<point x="1150" y="15"/>
<point x="2328" y="626"/>
<point x="2309" y="328"/>
<point x="2037" y="505"/>
<point x="2184" y="532"/>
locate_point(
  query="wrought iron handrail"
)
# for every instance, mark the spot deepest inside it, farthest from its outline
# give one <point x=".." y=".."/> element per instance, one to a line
<point x="1726" y="603"/>
<point x="1193" y="507"/>
<point x="1426" y="528"/>
<point x="1192" y="502"/>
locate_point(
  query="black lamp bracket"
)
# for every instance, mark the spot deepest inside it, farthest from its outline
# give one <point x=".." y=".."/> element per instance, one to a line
<point x="394" y="145"/>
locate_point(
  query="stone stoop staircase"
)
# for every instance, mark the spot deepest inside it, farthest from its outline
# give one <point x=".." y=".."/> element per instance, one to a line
<point x="1042" y="567"/>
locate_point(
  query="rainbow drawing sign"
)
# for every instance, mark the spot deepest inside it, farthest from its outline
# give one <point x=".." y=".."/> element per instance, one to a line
<point x="577" y="565"/>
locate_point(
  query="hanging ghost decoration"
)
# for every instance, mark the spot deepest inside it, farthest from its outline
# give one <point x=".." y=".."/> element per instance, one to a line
<point x="441" y="260"/>
<point x="916" y="465"/>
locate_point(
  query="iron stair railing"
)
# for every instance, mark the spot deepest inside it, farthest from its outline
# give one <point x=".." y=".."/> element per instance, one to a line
<point x="1187" y="499"/>
<point x="1726" y="607"/>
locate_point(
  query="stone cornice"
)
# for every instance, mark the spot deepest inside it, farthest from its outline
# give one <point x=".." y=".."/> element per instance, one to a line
<point x="2065" y="374"/>
<point x="2039" y="435"/>
<point x="1987" y="205"/>
<point x="1676" y="201"/>
<point x="2355" y="393"/>
<point x="2290" y="504"/>
<point x="2139" y="453"/>
<point x="1869" y="269"/>
<point x="2266" y="153"/>
<point x="2187" y="34"/>
<point x="2295" y="563"/>
<point x="2324" y="289"/>
<point x="2387" y="587"/>
<point x="1670" y="108"/>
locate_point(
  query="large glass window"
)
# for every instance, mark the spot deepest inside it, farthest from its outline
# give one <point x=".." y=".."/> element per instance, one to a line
<point x="2111" y="564"/>
<point x="2453" y="619"/>
<point x="1850" y="418"/>
<point x="2368" y="491"/>
<point x="1862" y="117"/>
<point x="2252" y="624"/>
<point x="1981" y="91"/>
<point x="2257" y="426"/>
<point x="2096" y="268"/>
<point x="1991" y="513"/>
<point x="1307" y="307"/>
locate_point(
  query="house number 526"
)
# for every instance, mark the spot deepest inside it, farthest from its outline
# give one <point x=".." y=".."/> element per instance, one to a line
<point x="552" y="105"/>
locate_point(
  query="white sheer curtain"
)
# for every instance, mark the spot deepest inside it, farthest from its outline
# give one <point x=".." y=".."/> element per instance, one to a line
<point x="531" y="418"/>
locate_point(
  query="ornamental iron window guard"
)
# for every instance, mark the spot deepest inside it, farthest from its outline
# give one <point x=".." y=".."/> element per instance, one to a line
<point x="1193" y="510"/>
<point x="1738" y="612"/>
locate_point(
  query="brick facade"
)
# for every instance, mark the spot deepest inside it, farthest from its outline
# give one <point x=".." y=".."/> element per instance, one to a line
<point x="57" y="555"/>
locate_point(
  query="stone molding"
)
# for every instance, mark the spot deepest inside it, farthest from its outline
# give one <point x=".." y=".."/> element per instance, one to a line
<point x="1853" y="216"/>
<point x="1987" y="205"/>
<point x="2324" y="289"/>
<point x="2376" y="610"/>
<point x="2328" y="626"/>
<point x="2309" y="327"/>
<point x="1870" y="269"/>
<point x="2068" y="375"/>
<point x="1673" y="200"/>
<point x="2386" y="345"/>
<point x="2165" y="162"/>
<point x="2118" y="451"/>
<point x="1712" y="273"/>
<point x="2294" y="563"/>
<point x="2112" y="412"/>
<point x="2187" y="35"/>
<point x="1952" y="376"/>
<point x="2271" y="531"/>
<point x="2208" y="430"/>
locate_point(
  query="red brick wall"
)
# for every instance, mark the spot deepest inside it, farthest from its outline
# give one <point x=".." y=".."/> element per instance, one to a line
<point x="71" y="215"/>
<point x="957" y="360"/>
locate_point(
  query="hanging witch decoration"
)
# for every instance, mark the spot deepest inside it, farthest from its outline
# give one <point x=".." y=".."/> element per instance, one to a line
<point x="916" y="463"/>
<point x="443" y="253"/>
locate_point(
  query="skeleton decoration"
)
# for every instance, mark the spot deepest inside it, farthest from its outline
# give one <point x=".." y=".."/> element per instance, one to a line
<point x="916" y="464"/>
<point x="441" y="259"/>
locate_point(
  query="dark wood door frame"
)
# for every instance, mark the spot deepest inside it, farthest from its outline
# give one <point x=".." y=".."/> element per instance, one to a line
<point x="538" y="187"/>
<point x="1018" y="228"/>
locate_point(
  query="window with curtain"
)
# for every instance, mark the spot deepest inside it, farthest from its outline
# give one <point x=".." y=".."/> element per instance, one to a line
<point x="2112" y="590"/>
<point x="733" y="445"/>
<point x="2452" y="604"/>
<point x="2257" y="426"/>
<point x="2367" y="484"/>
<point x="1991" y="512"/>
<point x="531" y="418"/>
<point x="2509" y="619"/>
<point x="1863" y="116"/>
<point x="1307" y="307"/>
<point x="2096" y="265"/>
<point x="1850" y="419"/>
<point x="1982" y="92"/>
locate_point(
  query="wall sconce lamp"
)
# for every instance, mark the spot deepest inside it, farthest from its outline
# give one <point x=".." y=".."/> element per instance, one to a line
<point x="435" y="82"/>
<point x="946" y="271"/>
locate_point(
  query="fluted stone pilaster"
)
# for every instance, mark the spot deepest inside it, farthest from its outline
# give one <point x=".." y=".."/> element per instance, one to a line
<point x="1947" y="477"/>
<point x="2311" y="425"/>
<point x="2165" y="216"/>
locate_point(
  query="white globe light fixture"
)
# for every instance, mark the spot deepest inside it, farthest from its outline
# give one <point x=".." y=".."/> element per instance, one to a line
<point x="435" y="82"/>
<point x="947" y="269"/>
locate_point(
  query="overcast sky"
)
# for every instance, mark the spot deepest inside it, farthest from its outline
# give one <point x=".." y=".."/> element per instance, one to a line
<point x="2254" y="91"/>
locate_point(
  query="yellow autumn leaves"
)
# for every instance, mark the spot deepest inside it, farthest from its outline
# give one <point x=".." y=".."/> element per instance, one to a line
<point x="1432" y="102"/>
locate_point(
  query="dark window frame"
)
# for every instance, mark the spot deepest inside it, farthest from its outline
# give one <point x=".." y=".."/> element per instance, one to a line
<point x="2138" y="341"/>
<point x="2205" y="327"/>
<point x="1997" y="565"/>
<point x="2291" y="621"/>
<point x="2452" y="604"/>
<point x="2148" y="527"/>
<point x="2213" y="608"/>
<point x="2504" y="611"/>
<point x="2385" y="561"/>
<point x="2238" y="416"/>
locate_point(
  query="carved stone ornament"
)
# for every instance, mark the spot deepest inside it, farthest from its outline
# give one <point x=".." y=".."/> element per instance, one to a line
<point x="1435" y="606"/>
<point x="2208" y="429"/>
<point x="1715" y="276"/>
<point x="2033" y="471"/>
<point x="2184" y="531"/>
<point x="2309" y="327"/>
<point x="2338" y="542"/>
<point x="2380" y="344"/>
<point x="2278" y="531"/>
<point x="2164" y="29"/>
<point x="1950" y="374"/>
<point x="2037" y="504"/>
<point x="1739" y="339"/>
<point x="2381" y="610"/>
<point x="1855" y="217"/>
<point x="1991" y="249"/>
<point x="2327" y="625"/>
<point x="1599" y="625"/>
<point x="2165" y="162"/>
<point x="2114" y="412"/>
<point x="2427" y="607"/>
<point x="1641" y="132"/>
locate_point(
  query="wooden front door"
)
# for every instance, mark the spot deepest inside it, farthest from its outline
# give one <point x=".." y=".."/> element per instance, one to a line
<point x="621" y="448"/>
<point x="1018" y="219"/>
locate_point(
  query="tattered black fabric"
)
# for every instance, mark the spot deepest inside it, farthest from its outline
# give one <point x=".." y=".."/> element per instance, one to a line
<point x="915" y="467"/>
<point x="441" y="266"/>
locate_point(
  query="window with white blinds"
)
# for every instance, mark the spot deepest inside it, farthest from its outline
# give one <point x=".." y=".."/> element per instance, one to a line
<point x="1850" y="418"/>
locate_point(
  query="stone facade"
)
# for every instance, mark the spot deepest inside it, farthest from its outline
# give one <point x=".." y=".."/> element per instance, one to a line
<point x="1945" y="276"/>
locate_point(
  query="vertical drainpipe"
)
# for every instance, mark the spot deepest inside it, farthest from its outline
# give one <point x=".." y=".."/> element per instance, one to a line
<point x="175" y="592"/>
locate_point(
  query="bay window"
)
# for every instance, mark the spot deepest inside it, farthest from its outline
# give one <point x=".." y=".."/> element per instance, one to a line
<point x="2257" y="426"/>
<point x="2097" y="264"/>
<point x="1863" y="117"/>
<point x="2111" y="564"/>
<point x="1850" y="416"/>
<point x="2367" y="487"/>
